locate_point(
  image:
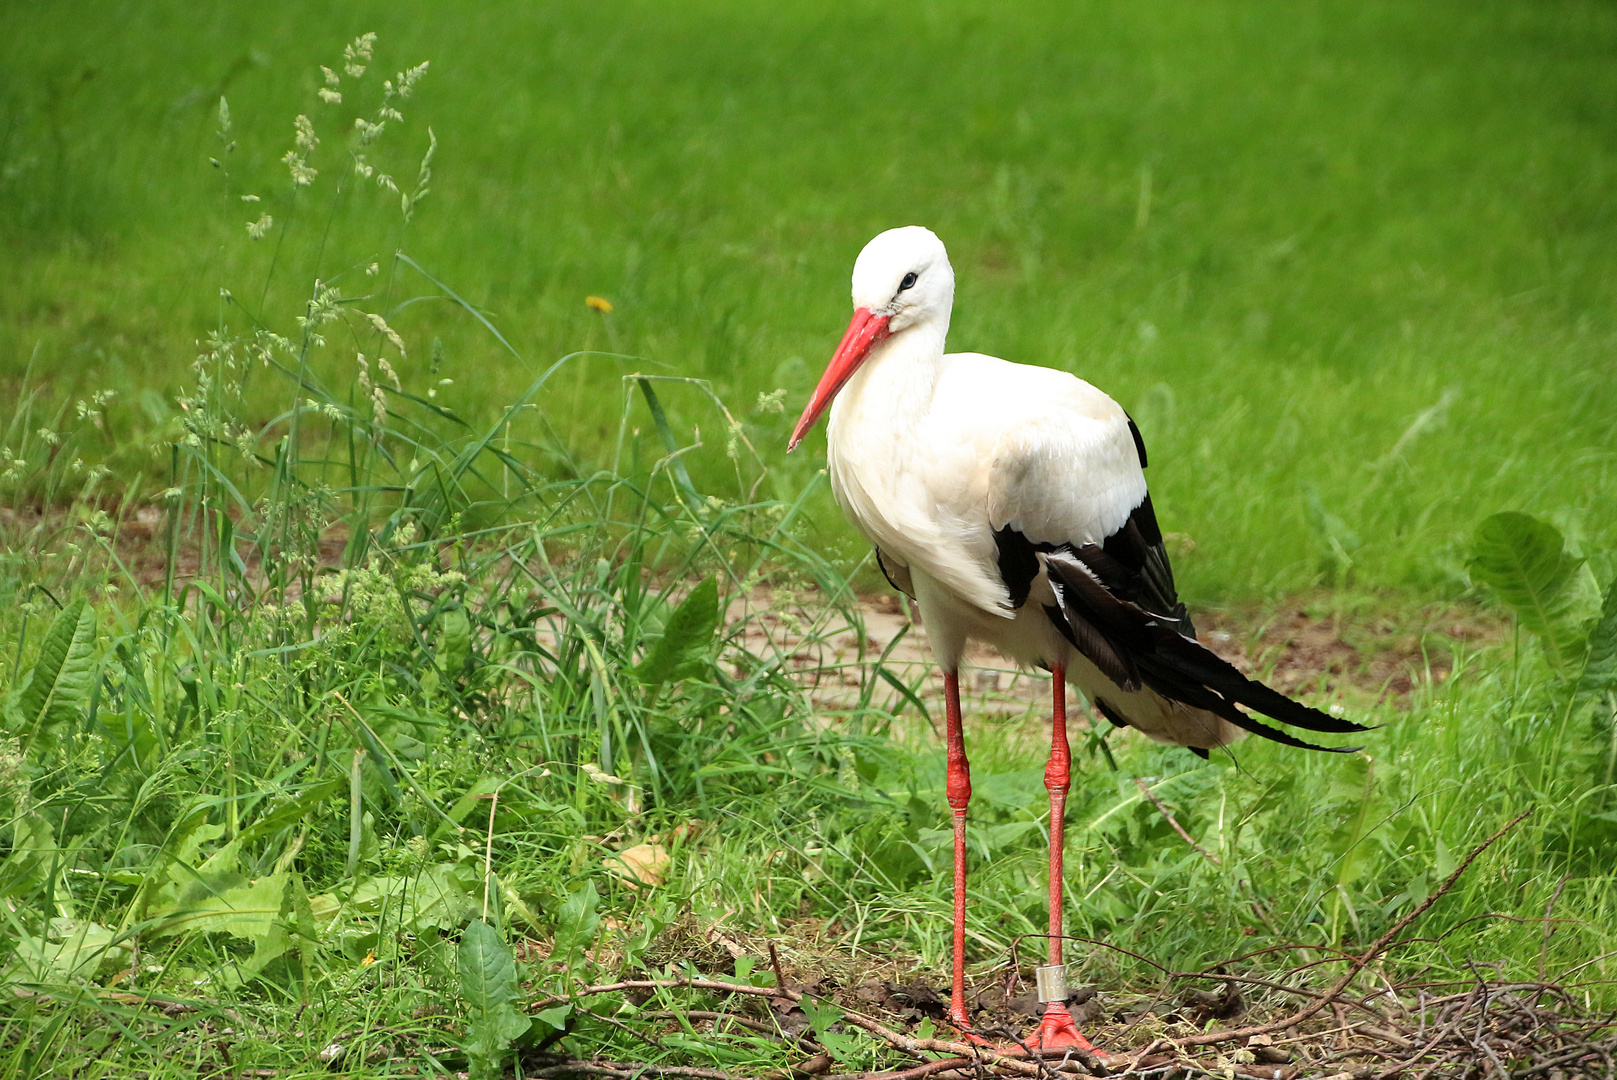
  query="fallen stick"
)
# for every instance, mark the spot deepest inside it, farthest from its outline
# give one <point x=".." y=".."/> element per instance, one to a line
<point x="931" y="1068"/>
<point x="1359" y="963"/>
<point x="1252" y="980"/>
<point x="627" y="1069"/>
<point x="1012" y="1060"/>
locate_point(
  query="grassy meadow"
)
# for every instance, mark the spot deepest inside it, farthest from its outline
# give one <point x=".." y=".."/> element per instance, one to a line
<point x="379" y="658"/>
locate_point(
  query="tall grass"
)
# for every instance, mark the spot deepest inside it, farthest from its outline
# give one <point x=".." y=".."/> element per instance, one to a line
<point x="1345" y="262"/>
<point x="390" y="677"/>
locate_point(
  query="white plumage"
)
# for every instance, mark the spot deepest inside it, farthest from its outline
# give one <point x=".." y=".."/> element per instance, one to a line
<point x="930" y="453"/>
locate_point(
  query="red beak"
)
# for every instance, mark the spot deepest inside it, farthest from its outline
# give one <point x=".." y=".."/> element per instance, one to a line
<point x="864" y="333"/>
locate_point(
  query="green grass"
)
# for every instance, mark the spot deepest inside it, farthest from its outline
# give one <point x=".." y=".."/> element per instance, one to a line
<point x="1280" y="233"/>
<point x="1347" y="264"/>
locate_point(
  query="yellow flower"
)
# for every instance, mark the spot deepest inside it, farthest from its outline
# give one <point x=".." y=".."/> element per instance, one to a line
<point x="598" y="303"/>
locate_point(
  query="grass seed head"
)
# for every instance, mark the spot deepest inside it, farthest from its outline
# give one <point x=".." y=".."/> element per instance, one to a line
<point x="403" y="84"/>
<point x="358" y="54"/>
<point x="302" y="174"/>
<point x="387" y="331"/>
<point x="303" y="134"/>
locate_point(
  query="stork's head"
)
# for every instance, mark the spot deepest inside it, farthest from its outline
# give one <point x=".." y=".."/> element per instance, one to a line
<point x="901" y="280"/>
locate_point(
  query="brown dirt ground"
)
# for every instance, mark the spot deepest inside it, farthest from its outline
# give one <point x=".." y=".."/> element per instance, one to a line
<point x="1382" y="1030"/>
<point x="1307" y="646"/>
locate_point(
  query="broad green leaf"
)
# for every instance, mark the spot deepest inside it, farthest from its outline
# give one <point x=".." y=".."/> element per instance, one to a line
<point x="687" y="636"/>
<point x="1355" y="782"/>
<point x="489" y="989"/>
<point x="554" y="1017"/>
<point x="476" y="796"/>
<point x="1525" y="561"/>
<point x="455" y="640"/>
<point x="72" y="951"/>
<point x="302" y="919"/>
<point x="186" y="845"/>
<point x="576" y="923"/>
<point x="1443" y="860"/>
<point x="285" y="931"/>
<point x="250" y="911"/>
<point x="441" y="896"/>
<point x="176" y="877"/>
<point x="57" y="689"/>
<point x="33" y="851"/>
<point x="1600" y="662"/>
<point x="440" y="899"/>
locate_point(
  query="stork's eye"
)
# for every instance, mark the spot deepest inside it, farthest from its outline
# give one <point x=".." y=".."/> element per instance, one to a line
<point x="909" y="279"/>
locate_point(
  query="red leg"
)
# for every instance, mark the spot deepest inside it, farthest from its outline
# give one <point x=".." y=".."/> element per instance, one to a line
<point x="959" y="793"/>
<point x="1057" y="1028"/>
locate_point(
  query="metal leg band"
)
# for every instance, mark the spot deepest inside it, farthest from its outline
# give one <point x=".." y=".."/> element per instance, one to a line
<point x="1052" y="983"/>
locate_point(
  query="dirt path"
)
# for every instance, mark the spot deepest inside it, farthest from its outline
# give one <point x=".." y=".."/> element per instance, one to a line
<point x="1305" y="647"/>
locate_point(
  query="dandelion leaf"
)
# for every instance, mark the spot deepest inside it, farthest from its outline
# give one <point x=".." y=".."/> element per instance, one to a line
<point x="441" y="899"/>
<point x="1524" y="561"/>
<point x="455" y="640"/>
<point x="489" y="990"/>
<point x="576" y="923"/>
<point x="57" y="689"/>
<point x="289" y="813"/>
<point x="285" y="931"/>
<point x="70" y="951"/>
<point x="687" y="637"/>
<point x="33" y="851"/>
<point x="251" y="911"/>
<point x="1600" y="662"/>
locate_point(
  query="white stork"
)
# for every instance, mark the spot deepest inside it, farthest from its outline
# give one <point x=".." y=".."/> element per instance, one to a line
<point x="1010" y="503"/>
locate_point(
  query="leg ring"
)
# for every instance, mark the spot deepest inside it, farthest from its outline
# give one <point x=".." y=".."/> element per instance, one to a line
<point x="1052" y="983"/>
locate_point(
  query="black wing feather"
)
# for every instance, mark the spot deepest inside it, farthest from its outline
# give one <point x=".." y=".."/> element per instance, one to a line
<point x="1018" y="562"/>
<point x="1137" y="548"/>
<point x="1139" y="440"/>
<point x="1116" y="603"/>
<point x="1179" y="667"/>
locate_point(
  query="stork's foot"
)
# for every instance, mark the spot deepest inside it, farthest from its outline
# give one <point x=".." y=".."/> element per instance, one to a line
<point x="967" y="1033"/>
<point x="1057" y="1030"/>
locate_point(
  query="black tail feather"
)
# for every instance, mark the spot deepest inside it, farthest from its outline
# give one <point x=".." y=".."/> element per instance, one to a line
<point x="1174" y="665"/>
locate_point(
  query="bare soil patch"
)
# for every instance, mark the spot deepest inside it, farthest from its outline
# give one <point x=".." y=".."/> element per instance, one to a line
<point x="1304" y="647"/>
<point x="1335" y="1014"/>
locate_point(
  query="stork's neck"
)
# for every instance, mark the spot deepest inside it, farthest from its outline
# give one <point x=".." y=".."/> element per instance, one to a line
<point x="894" y="385"/>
